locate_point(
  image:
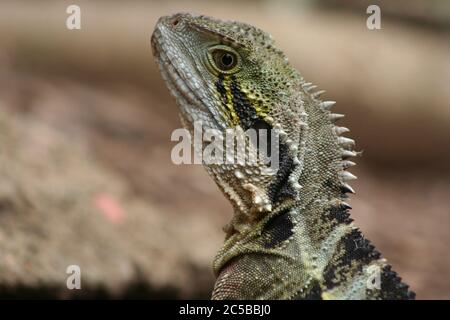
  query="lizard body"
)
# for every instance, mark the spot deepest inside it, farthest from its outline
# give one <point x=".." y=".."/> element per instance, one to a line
<point x="291" y="236"/>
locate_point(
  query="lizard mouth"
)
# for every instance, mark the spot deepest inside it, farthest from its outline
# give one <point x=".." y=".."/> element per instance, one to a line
<point x="179" y="85"/>
<point x="174" y="81"/>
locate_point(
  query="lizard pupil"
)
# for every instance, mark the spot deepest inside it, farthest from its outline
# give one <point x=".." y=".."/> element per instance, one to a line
<point x="227" y="59"/>
<point x="224" y="60"/>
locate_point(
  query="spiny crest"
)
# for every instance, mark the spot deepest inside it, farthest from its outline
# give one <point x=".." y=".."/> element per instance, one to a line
<point x="346" y="144"/>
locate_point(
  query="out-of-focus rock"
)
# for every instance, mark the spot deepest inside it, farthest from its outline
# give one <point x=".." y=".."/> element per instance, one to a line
<point x="60" y="206"/>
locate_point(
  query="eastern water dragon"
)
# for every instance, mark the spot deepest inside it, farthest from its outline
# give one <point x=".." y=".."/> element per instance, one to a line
<point x="291" y="236"/>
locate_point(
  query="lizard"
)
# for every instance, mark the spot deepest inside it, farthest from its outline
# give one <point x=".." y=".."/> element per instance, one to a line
<point x="291" y="235"/>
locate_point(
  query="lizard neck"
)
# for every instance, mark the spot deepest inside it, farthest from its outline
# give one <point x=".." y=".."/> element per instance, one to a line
<point x="293" y="259"/>
<point x="307" y="247"/>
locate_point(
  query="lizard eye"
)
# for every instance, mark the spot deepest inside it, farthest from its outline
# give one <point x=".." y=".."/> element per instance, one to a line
<point x="223" y="59"/>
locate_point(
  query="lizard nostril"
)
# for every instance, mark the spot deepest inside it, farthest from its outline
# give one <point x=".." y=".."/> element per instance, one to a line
<point x="175" y="22"/>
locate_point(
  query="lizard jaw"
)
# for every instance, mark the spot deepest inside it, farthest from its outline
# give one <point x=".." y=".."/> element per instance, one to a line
<point x="180" y="81"/>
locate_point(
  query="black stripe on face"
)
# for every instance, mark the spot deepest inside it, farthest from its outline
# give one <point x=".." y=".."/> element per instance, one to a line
<point x="263" y="125"/>
<point x="220" y="87"/>
<point x="242" y="106"/>
<point x="248" y="117"/>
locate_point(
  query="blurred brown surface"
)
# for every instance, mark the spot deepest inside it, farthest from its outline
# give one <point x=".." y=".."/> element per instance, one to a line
<point x="85" y="116"/>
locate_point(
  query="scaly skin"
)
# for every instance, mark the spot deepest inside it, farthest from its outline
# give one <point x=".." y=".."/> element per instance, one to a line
<point x="290" y="236"/>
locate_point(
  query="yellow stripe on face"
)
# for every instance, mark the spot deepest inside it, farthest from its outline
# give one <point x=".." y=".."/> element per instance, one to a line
<point x="230" y="106"/>
<point x="227" y="107"/>
<point x="261" y="111"/>
<point x="260" y="107"/>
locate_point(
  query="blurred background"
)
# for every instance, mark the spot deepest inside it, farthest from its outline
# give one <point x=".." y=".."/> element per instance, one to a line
<point x="85" y="124"/>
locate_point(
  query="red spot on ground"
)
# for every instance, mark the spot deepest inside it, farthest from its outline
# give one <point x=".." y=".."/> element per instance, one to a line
<point x="109" y="207"/>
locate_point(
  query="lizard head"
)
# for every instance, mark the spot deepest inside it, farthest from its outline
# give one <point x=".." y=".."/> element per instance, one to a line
<point x="229" y="75"/>
<point x="225" y="74"/>
<point x="288" y="222"/>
